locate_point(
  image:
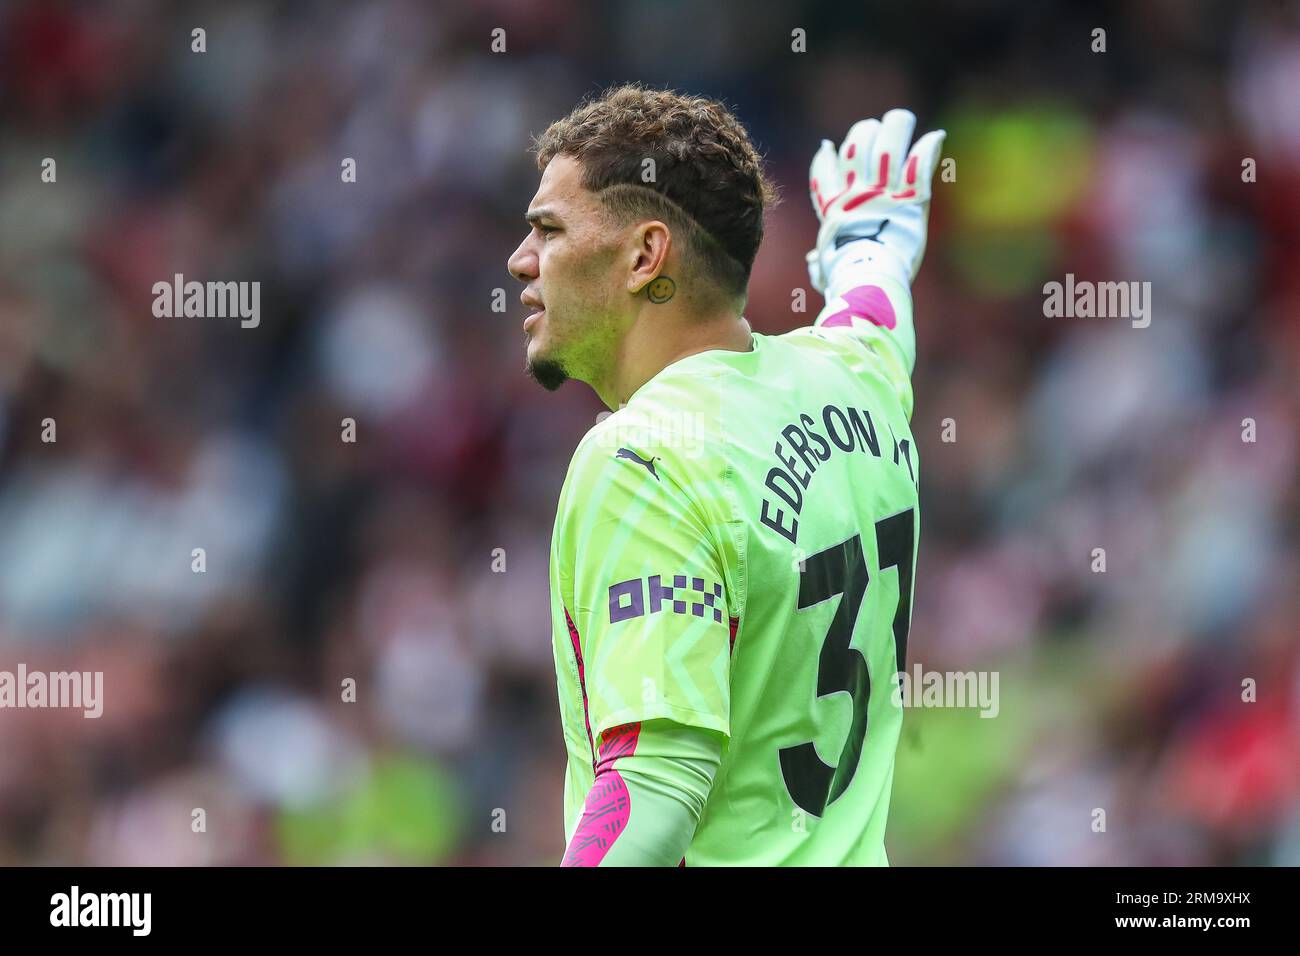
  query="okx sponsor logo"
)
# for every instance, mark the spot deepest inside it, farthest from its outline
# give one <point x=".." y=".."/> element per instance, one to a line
<point x="637" y="596"/>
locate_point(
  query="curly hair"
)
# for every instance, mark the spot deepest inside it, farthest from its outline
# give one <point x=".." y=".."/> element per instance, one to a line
<point x="707" y="182"/>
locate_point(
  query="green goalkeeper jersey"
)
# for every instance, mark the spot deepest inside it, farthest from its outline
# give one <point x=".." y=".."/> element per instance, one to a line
<point x="733" y="550"/>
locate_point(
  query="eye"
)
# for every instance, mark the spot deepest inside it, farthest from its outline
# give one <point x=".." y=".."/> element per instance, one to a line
<point x="546" y="230"/>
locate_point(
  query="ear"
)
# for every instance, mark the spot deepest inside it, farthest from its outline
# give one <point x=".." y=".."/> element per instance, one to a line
<point x="651" y="244"/>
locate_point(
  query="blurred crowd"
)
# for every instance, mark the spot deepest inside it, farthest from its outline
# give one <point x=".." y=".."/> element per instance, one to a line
<point x="362" y="672"/>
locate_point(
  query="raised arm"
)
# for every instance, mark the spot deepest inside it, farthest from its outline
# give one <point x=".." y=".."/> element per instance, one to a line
<point x="872" y="198"/>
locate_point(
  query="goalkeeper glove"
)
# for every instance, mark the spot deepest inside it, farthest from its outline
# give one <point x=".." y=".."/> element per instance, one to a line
<point x="873" y="189"/>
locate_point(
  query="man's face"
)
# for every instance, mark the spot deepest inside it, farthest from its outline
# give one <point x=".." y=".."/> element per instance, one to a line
<point x="567" y="264"/>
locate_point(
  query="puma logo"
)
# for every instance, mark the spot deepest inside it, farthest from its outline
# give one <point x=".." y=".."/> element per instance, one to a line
<point x="633" y="456"/>
<point x="854" y="237"/>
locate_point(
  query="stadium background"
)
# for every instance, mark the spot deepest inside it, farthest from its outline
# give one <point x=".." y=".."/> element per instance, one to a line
<point x="374" y="560"/>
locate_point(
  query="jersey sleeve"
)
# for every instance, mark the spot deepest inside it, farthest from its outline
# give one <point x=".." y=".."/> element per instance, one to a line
<point x="652" y="781"/>
<point x="869" y="307"/>
<point x="649" y="593"/>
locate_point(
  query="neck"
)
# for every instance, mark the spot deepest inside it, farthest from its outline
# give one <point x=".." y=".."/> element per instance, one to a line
<point x="657" y="339"/>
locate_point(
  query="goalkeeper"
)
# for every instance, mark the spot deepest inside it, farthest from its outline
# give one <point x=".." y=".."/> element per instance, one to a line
<point x="733" y="553"/>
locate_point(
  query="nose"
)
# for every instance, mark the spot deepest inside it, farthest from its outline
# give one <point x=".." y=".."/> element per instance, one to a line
<point x="522" y="263"/>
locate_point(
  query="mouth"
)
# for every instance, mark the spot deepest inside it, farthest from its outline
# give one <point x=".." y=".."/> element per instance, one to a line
<point x="536" y="305"/>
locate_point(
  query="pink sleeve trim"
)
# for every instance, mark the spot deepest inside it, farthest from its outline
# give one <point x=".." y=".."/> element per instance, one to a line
<point x="609" y="805"/>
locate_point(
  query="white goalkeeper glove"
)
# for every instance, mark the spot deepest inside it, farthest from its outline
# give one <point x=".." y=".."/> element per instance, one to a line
<point x="873" y="189"/>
